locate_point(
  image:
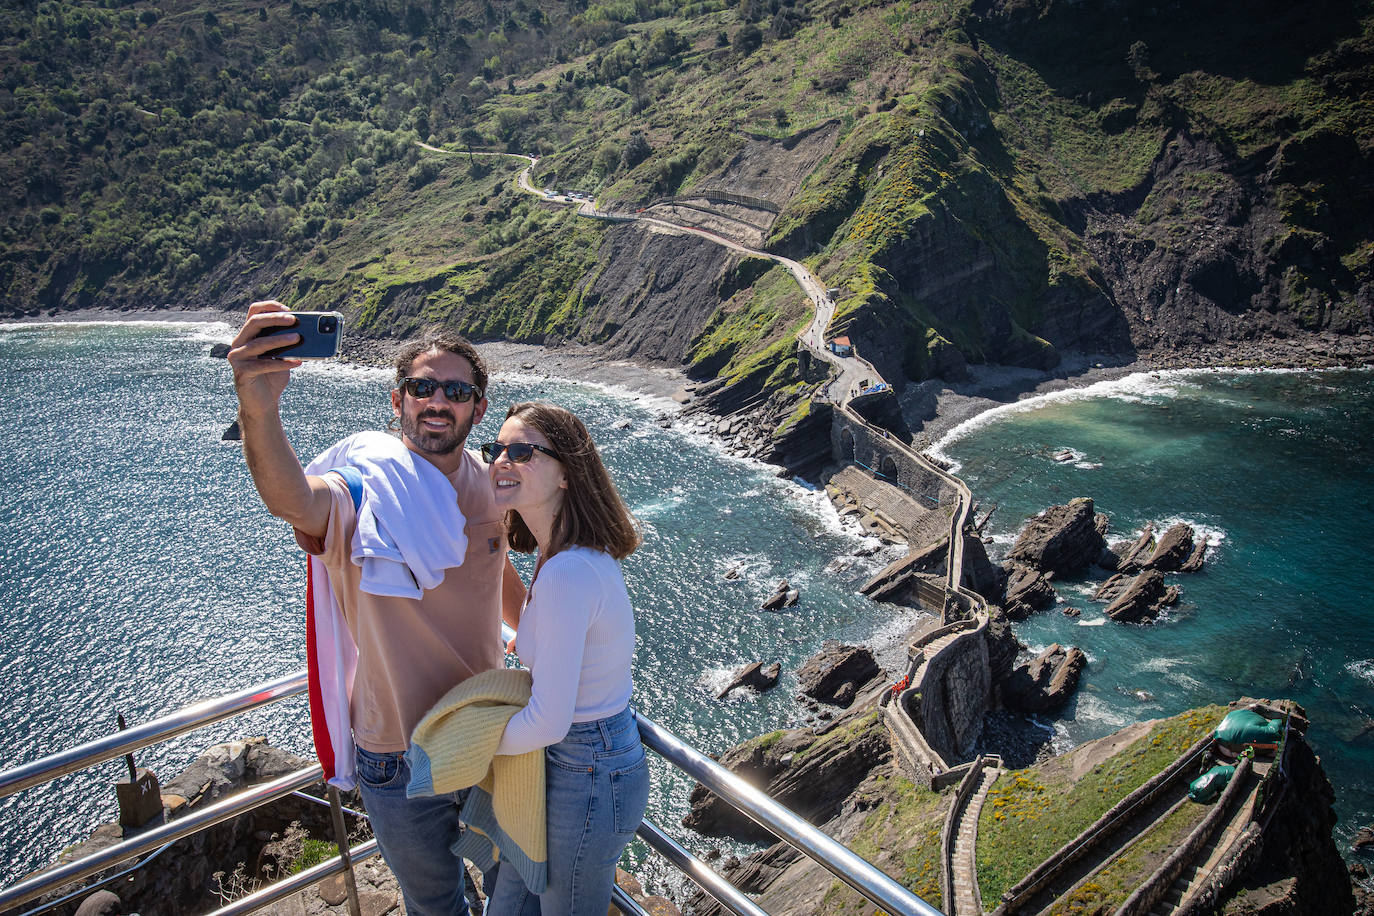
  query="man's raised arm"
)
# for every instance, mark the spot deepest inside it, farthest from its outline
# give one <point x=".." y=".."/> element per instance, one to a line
<point x="259" y="382"/>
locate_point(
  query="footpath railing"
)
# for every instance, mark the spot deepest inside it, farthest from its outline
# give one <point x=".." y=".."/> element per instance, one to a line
<point x="859" y="874"/>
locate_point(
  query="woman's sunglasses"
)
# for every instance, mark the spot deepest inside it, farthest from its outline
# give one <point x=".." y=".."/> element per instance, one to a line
<point x="517" y="452"/>
<point x="455" y="391"/>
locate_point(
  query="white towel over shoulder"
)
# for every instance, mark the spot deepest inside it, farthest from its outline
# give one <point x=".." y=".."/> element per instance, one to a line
<point x="410" y="529"/>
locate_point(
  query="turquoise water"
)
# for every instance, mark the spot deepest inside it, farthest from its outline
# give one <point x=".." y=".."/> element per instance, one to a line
<point x="1277" y="469"/>
<point x="142" y="574"/>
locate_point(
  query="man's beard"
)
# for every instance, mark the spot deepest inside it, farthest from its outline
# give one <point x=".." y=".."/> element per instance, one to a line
<point x="435" y="442"/>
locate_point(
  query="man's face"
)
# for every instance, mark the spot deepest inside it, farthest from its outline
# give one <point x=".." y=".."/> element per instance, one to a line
<point x="435" y="426"/>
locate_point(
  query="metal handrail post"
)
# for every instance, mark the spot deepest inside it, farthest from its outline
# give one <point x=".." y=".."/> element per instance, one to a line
<point x="298" y="882"/>
<point x="705" y="877"/>
<point x="341" y="840"/>
<point x="850" y="868"/>
<point x="220" y="811"/>
<point x="625" y="903"/>
<point x="186" y="719"/>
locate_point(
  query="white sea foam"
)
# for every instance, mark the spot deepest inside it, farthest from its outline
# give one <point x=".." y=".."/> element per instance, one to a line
<point x="1094" y="622"/>
<point x="1210" y="533"/>
<point x="650" y="402"/>
<point x="1362" y="669"/>
<point x="1092" y="708"/>
<point x="1138" y="387"/>
<point x="659" y="506"/>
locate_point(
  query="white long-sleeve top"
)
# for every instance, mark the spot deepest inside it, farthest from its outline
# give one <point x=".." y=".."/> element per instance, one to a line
<point x="577" y="637"/>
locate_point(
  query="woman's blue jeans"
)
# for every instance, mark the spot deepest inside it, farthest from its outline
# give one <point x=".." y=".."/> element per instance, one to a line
<point x="416" y="836"/>
<point x="597" y="785"/>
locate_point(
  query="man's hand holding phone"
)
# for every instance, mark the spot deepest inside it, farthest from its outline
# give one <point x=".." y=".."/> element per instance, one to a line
<point x="259" y="377"/>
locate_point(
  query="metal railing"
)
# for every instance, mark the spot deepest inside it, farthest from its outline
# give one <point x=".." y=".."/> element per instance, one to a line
<point x="859" y="874"/>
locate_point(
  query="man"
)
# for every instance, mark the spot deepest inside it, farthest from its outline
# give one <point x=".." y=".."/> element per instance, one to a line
<point x="411" y="648"/>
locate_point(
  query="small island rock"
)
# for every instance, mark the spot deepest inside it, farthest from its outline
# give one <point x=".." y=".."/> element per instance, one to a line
<point x="1028" y="591"/>
<point x="835" y="674"/>
<point x="1046" y="682"/>
<point x="754" y="676"/>
<point x="1146" y="596"/>
<point x="1062" y="539"/>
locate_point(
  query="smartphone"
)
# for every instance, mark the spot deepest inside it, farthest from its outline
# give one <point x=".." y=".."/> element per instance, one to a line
<point x="320" y="332"/>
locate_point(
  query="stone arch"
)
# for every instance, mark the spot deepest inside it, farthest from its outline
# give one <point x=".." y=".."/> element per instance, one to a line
<point x="846" y="444"/>
<point x="888" y="468"/>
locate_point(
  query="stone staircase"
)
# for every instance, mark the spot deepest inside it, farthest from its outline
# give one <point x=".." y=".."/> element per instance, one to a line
<point x="1199" y="871"/>
<point x="963" y="859"/>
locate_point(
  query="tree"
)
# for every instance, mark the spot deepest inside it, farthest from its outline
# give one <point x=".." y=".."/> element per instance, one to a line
<point x="748" y="39"/>
<point x="637" y="149"/>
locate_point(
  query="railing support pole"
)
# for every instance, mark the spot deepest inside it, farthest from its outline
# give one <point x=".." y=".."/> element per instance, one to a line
<point x="341" y="840"/>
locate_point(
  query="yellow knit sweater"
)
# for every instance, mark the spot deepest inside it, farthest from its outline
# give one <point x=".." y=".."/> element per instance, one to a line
<point x="454" y="747"/>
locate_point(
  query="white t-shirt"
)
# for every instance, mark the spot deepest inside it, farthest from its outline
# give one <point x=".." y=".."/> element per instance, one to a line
<point x="577" y="637"/>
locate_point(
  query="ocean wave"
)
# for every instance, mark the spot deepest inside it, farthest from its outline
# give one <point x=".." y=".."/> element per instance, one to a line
<point x="1094" y="622"/>
<point x="650" y="402"/>
<point x="342" y="371"/>
<point x="1091" y="708"/>
<point x="658" y="506"/>
<point x="1138" y="387"/>
<point x="1210" y="533"/>
<point x="1363" y="669"/>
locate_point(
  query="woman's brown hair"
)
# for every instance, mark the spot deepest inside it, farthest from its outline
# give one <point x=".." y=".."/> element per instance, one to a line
<point x="593" y="514"/>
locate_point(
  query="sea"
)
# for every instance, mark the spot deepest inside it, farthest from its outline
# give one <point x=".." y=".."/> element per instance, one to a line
<point x="1275" y="469"/>
<point x="140" y="573"/>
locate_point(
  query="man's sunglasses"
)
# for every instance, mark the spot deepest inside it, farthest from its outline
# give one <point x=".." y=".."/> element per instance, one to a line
<point x="455" y="391"/>
<point x="517" y="452"/>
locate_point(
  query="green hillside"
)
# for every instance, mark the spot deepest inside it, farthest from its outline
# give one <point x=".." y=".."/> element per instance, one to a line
<point x="1008" y="178"/>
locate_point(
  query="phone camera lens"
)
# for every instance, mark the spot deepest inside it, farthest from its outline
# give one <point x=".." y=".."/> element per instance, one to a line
<point x="327" y="325"/>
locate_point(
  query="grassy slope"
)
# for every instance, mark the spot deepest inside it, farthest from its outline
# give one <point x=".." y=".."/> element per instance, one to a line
<point x="167" y="150"/>
<point x="1030" y="813"/>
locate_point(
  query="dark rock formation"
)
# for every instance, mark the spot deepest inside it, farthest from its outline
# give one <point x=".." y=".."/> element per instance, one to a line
<point x="835" y="674"/>
<point x="219" y="351"/>
<point x="1129" y="556"/>
<point x="1172" y="550"/>
<point x="783" y="596"/>
<point x="1298" y="868"/>
<point x="182" y="880"/>
<point x="808" y="773"/>
<point x="980" y="573"/>
<point x="1062" y="539"/>
<point x="754" y="676"/>
<point x="1003" y="646"/>
<point x="1028" y="591"/>
<point x="1364" y="838"/>
<point x="1177" y="550"/>
<point x="1145" y="596"/>
<point x="101" y="903"/>
<point x="1046" y="682"/>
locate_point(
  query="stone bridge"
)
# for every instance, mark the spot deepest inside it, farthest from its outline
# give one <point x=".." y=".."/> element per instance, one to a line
<point x="891" y="460"/>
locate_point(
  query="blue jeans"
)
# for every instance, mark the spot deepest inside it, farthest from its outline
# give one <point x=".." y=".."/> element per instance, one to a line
<point x="597" y="785"/>
<point x="415" y="836"/>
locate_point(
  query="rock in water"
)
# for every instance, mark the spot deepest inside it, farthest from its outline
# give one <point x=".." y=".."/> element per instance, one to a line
<point x="232" y="434"/>
<point x="219" y="351"/>
<point x="784" y="595"/>
<point x="754" y="676"/>
<point x="1175" y="547"/>
<point x="1028" y="591"/>
<point x="1145" y="597"/>
<point x="1062" y="539"/>
<point x="835" y="674"/>
<point x="1046" y="682"/>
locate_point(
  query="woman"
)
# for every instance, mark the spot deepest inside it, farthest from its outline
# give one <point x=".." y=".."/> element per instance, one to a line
<point x="577" y="638"/>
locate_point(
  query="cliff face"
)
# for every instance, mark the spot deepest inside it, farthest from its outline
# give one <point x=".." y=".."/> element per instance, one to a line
<point x="650" y="293"/>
